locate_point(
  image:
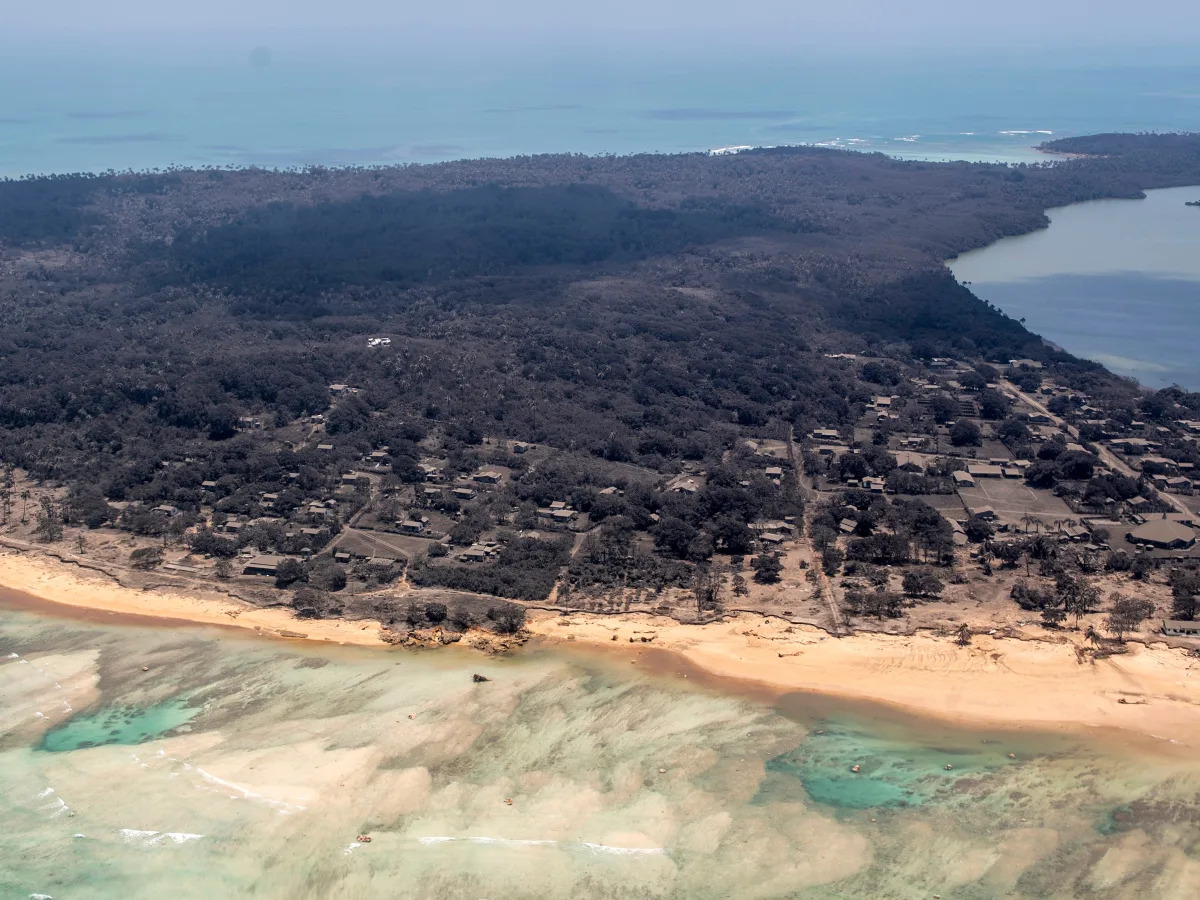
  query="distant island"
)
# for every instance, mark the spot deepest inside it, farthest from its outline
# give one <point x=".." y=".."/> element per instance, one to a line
<point x="1191" y="203"/>
<point x="438" y="396"/>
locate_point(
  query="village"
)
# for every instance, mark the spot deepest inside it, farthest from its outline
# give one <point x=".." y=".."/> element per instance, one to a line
<point x="962" y="498"/>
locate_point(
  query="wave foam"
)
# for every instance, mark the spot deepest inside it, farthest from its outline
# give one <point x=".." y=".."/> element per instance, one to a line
<point x="282" y="805"/>
<point x="605" y="849"/>
<point x="142" y="838"/>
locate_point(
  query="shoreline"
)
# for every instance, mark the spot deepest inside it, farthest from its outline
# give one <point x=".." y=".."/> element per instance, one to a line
<point x="1151" y="692"/>
<point x="1029" y="683"/>
<point x="45" y="585"/>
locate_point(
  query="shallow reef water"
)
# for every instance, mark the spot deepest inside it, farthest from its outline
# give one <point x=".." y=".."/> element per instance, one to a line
<point x="141" y="762"/>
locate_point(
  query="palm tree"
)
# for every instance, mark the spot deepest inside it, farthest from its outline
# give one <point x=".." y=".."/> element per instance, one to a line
<point x="24" y="505"/>
<point x="1092" y="636"/>
<point x="1028" y="520"/>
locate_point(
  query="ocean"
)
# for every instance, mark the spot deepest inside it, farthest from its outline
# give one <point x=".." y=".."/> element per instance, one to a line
<point x="1117" y="281"/>
<point x="143" y="762"/>
<point x="84" y="107"/>
<point x="68" y="107"/>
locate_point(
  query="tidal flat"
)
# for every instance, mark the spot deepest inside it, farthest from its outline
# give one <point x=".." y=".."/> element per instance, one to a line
<point x="143" y="761"/>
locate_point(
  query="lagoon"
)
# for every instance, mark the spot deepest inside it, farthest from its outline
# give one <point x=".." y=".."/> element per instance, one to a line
<point x="1116" y="281"/>
<point x="237" y="767"/>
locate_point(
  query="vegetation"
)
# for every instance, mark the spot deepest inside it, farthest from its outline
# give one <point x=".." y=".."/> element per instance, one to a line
<point x="207" y="359"/>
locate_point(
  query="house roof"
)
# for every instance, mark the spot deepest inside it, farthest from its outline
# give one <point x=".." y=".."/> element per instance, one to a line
<point x="1163" y="531"/>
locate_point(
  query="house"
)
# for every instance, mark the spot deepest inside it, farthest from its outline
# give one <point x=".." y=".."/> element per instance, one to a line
<point x="1175" y="483"/>
<point x="338" y="389"/>
<point x="473" y="554"/>
<point x="1038" y="418"/>
<point x="683" y="485"/>
<point x="463" y="493"/>
<point x="1160" y="463"/>
<point x="985" y="470"/>
<point x="874" y="485"/>
<point x="847" y="526"/>
<point x="1180" y="628"/>
<point x="488" y="477"/>
<point x="431" y="472"/>
<point x="520" y="447"/>
<point x="962" y="479"/>
<point x="263" y="565"/>
<point x="325" y="448"/>
<point x="562" y="516"/>
<point x="1076" y="533"/>
<point x="1163" y="534"/>
<point x="1134" y="446"/>
<point x="209" y="485"/>
<point x="413" y="526"/>
<point x="774" y="538"/>
<point x="167" y="510"/>
<point x="827" y="435"/>
<point x="774" y="472"/>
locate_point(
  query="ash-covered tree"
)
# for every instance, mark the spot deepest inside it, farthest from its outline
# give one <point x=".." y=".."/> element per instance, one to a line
<point x="1127" y="614"/>
<point x="509" y="618"/>
<point x="922" y="583"/>
<point x="707" y="587"/>
<point x="768" y="567"/>
<point x="1185" y="593"/>
<point x="965" y="433"/>
<point x="288" y="572"/>
<point x="146" y="558"/>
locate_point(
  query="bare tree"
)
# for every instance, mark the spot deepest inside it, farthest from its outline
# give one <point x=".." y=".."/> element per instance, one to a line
<point x="707" y="585"/>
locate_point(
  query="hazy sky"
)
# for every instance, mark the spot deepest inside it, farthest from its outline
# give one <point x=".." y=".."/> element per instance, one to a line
<point x="830" y="23"/>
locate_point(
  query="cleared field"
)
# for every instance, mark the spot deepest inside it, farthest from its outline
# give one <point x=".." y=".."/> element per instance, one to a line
<point x="946" y="503"/>
<point x="1012" y="499"/>
<point x="380" y="543"/>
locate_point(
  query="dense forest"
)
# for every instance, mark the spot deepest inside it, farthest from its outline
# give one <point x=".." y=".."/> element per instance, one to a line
<point x="645" y="309"/>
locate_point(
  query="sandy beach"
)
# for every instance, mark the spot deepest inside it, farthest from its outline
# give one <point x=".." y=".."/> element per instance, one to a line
<point x="1040" y="683"/>
<point x="1151" y="691"/>
<point x="51" y="586"/>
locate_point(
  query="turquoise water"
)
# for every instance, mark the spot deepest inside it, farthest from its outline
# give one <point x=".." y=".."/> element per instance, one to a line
<point x="83" y="107"/>
<point x="118" y="725"/>
<point x="890" y="774"/>
<point x="1117" y="281"/>
<point x="564" y="776"/>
